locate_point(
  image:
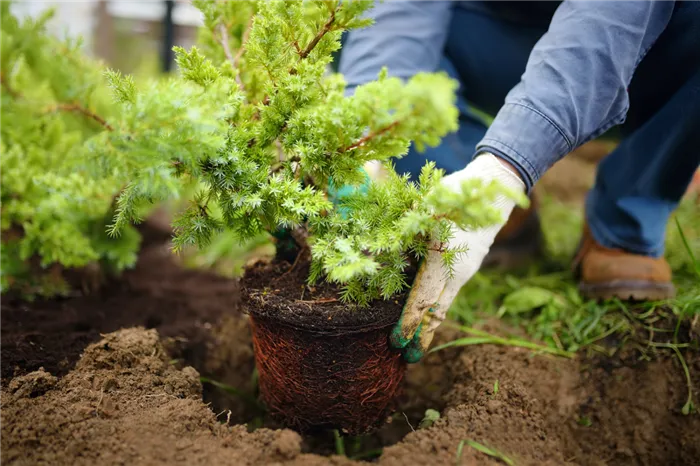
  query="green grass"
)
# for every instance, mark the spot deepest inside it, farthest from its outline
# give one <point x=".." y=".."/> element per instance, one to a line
<point x="483" y="449"/>
<point x="247" y="398"/>
<point x="479" y="337"/>
<point x="544" y="300"/>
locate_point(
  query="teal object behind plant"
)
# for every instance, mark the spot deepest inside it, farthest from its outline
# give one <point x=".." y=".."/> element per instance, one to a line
<point x="287" y="247"/>
<point x="337" y="193"/>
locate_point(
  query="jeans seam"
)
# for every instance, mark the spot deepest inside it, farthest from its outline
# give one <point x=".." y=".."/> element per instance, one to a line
<point x="606" y="126"/>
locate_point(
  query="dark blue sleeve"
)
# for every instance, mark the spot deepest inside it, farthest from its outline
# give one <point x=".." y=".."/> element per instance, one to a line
<point x="575" y="84"/>
<point x="407" y="38"/>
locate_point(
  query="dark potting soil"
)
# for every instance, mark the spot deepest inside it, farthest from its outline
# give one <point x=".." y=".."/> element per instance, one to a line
<point x="126" y="402"/>
<point x="279" y="291"/>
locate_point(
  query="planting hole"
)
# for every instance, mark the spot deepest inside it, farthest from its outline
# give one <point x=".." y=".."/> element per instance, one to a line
<point x="425" y="387"/>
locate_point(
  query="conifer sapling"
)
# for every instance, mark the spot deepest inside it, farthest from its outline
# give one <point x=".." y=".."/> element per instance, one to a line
<point x="54" y="211"/>
<point x="68" y="150"/>
<point x="282" y="134"/>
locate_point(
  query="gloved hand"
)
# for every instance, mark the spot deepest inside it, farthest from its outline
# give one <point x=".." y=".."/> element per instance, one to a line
<point x="433" y="292"/>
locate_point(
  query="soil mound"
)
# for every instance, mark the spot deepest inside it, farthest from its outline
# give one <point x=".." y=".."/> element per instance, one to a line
<point x="124" y="403"/>
<point x="158" y="293"/>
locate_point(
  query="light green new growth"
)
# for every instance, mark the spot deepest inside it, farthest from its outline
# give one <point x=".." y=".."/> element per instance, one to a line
<point x="54" y="210"/>
<point x="278" y="132"/>
<point x="72" y="154"/>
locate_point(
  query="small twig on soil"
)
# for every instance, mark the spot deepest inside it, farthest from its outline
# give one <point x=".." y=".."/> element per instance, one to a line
<point x="304" y="250"/>
<point x="296" y="262"/>
<point x="99" y="403"/>
<point x="319" y="301"/>
<point x="408" y="422"/>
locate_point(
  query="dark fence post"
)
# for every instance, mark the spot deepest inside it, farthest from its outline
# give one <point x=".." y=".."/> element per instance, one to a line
<point x="168" y="36"/>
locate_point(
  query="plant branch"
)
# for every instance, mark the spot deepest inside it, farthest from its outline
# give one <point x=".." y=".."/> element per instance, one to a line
<point x="244" y="40"/>
<point x="324" y="30"/>
<point x="7" y="87"/>
<point x="279" y="165"/>
<point x="223" y="40"/>
<point x="84" y="111"/>
<point x="360" y="142"/>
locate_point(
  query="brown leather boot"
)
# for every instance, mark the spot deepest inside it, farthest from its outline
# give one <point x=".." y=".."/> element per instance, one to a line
<point x="520" y="241"/>
<point x="605" y="273"/>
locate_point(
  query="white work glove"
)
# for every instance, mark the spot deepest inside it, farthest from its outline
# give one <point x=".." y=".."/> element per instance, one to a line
<point x="433" y="291"/>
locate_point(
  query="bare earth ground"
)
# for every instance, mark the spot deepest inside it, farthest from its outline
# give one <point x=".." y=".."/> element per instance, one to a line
<point x="127" y="401"/>
<point x="133" y="396"/>
<point x="124" y="403"/>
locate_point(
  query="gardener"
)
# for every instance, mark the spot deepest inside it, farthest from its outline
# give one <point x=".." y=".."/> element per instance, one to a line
<point x="568" y="72"/>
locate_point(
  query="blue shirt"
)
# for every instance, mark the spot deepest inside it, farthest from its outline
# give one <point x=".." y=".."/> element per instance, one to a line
<point x="574" y="86"/>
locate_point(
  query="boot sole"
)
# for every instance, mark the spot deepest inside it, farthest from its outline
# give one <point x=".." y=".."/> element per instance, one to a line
<point x="628" y="290"/>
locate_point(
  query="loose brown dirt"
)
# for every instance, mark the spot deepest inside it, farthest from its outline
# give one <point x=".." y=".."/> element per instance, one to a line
<point x="133" y="397"/>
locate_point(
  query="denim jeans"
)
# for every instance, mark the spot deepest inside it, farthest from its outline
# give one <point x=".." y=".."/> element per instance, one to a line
<point x="641" y="182"/>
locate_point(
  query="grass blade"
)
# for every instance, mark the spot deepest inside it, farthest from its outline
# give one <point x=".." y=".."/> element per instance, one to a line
<point x="466" y="341"/>
<point x="483" y="449"/>
<point x="339" y="443"/>
<point x="696" y="263"/>
<point x="458" y="456"/>
<point x="246" y="397"/>
<point x="483" y="338"/>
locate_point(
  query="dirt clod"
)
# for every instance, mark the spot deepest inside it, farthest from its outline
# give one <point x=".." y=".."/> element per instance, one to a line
<point x="32" y="385"/>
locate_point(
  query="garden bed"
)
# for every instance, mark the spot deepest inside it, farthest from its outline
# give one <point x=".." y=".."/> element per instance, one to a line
<point x="132" y="399"/>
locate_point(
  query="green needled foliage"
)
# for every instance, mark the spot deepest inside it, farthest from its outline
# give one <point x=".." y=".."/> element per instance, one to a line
<point x="278" y="130"/>
<point x="54" y="211"/>
<point x="74" y="152"/>
<point x="253" y="121"/>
